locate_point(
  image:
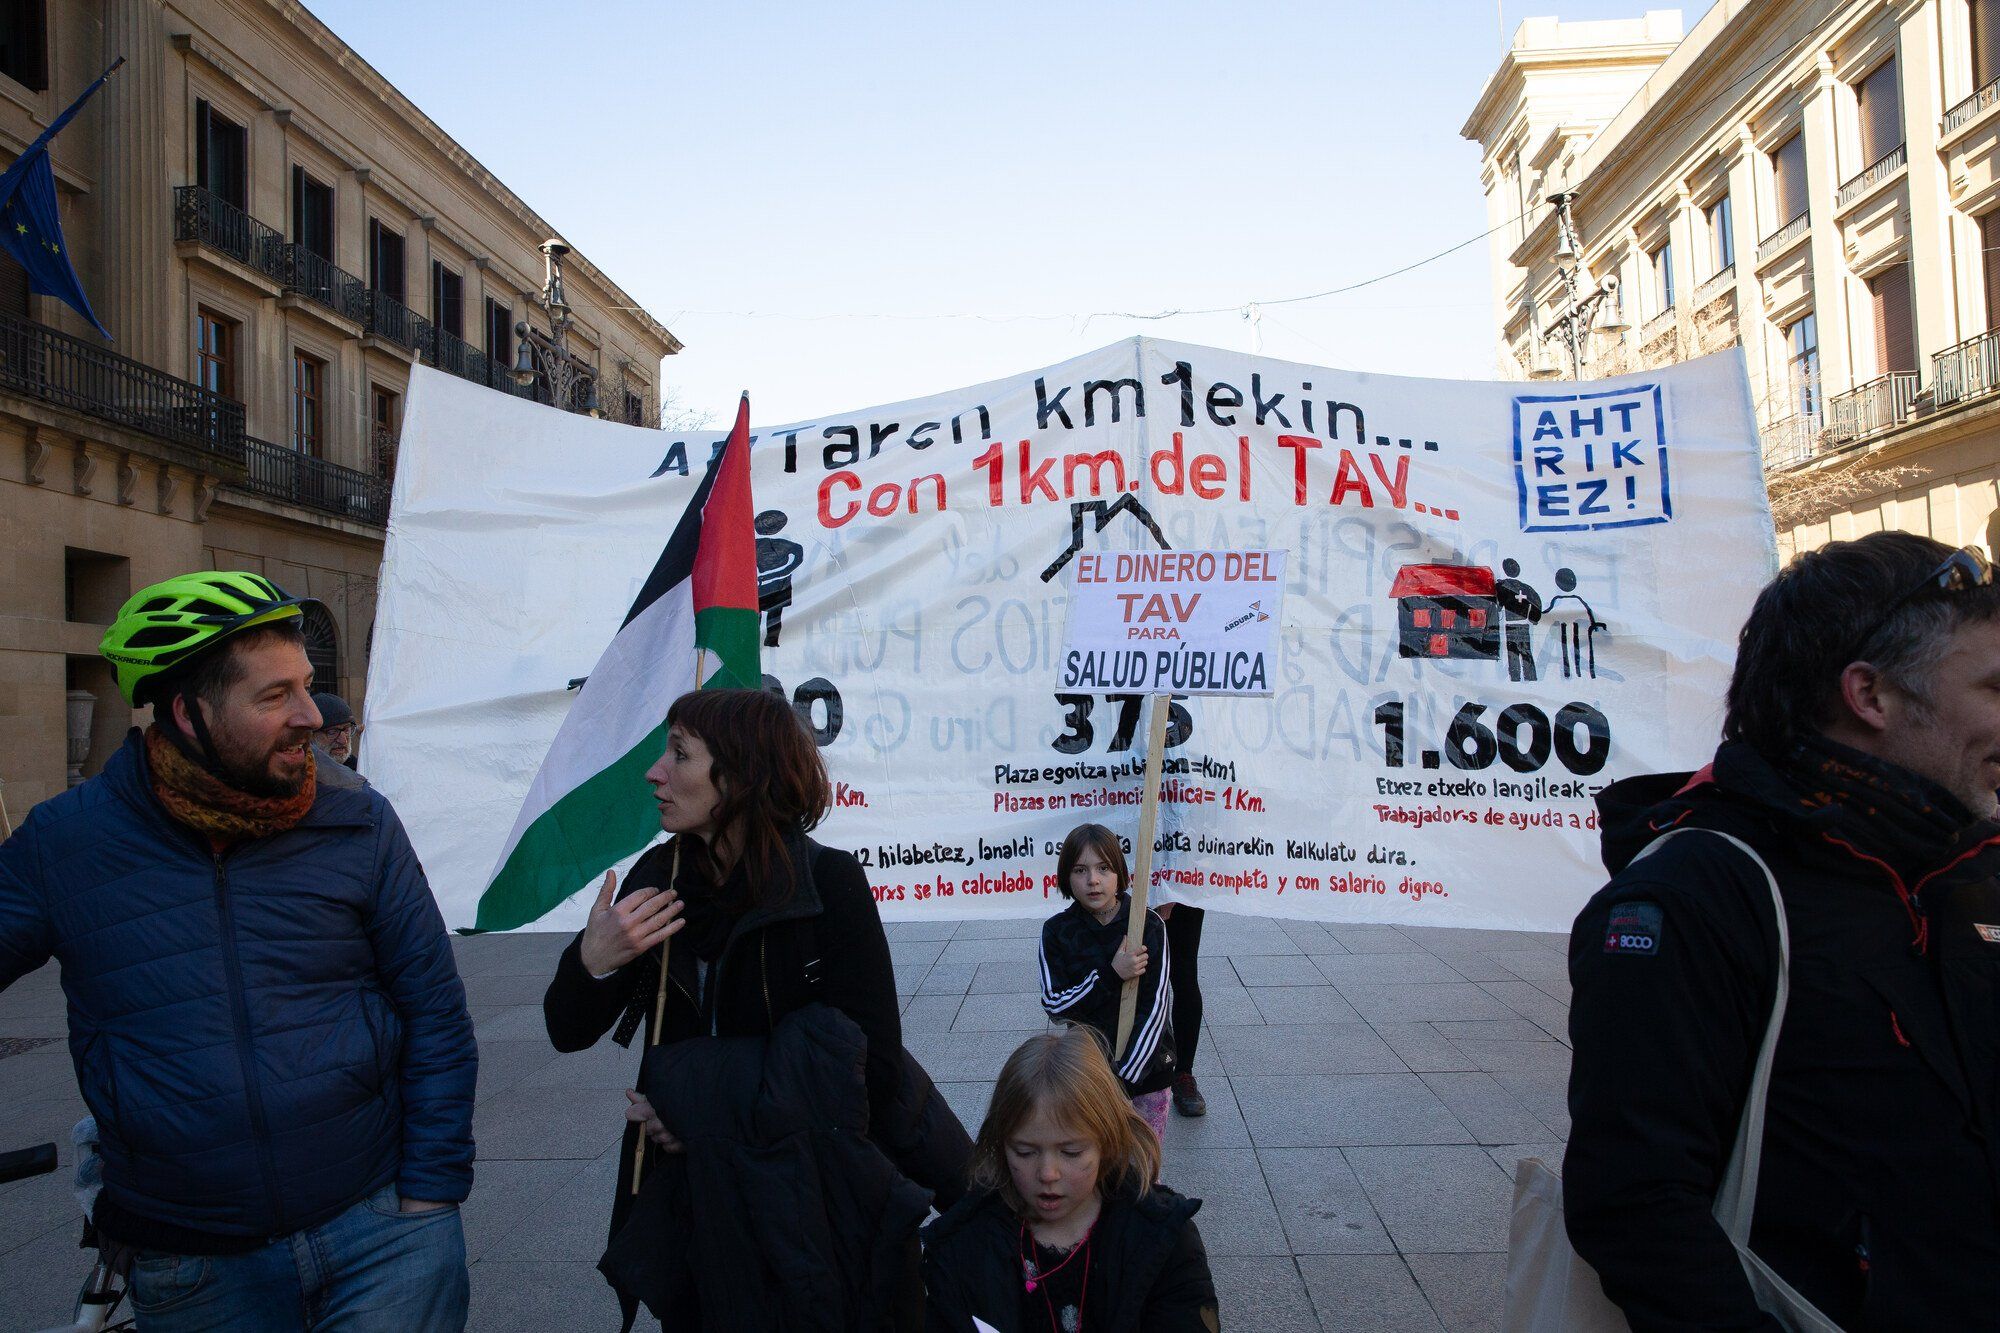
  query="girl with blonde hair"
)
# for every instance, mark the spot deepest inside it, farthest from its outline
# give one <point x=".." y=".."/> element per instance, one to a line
<point x="1064" y="1229"/>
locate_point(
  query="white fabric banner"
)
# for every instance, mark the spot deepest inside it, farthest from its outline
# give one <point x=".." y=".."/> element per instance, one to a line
<point x="1497" y="598"/>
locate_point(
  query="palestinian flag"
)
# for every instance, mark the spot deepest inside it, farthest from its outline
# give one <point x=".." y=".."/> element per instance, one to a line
<point x="694" y="625"/>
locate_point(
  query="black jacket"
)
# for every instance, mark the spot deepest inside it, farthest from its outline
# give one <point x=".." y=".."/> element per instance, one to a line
<point x="1879" y="1196"/>
<point x="781" y="1213"/>
<point x="821" y="940"/>
<point x="1079" y="986"/>
<point x="1149" y="1269"/>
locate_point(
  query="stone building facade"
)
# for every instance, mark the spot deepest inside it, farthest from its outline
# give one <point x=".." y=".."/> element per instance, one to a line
<point x="274" y="235"/>
<point x="1817" y="181"/>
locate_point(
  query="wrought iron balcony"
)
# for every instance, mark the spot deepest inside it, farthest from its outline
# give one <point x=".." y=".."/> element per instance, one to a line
<point x="1793" y="441"/>
<point x="313" y="483"/>
<point x="1970" y="107"/>
<point x="216" y="224"/>
<point x="1662" y="323"/>
<point x="1889" y="164"/>
<point x="1969" y="370"/>
<point x="38" y="362"/>
<point x="1784" y="236"/>
<point x="1715" y="285"/>
<point x="1871" y="408"/>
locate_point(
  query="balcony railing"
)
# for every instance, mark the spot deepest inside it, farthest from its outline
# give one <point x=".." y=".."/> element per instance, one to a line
<point x="1790" y="442"/>
<point x="1715" y="285"/>
<point x="1664" y="322"/>
<point x="1889" y="164"/>
<point x="218" y="225"/>
<point x="1970" y="107"/>
<point x="1872" y="407"/>
<point x="300" y="479"/>
<point x="1784" y="236"/>
<point x="38" y="362"/>
<point x="1969" y="370"/>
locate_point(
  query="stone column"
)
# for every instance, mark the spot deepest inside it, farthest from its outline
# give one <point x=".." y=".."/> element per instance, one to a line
<point x="1752" y="327"/>
<point x="134" y="207"/>
<point x="1931" y="282"/>
<point x="1838" y="372"/>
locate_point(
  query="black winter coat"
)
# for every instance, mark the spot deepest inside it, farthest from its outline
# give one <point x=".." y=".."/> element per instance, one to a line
<point x="1149" y="1269"/>
<point x="780" y="1213"/>
<point x="1079" y="985"/>
<point x="822" y="940"/>
<point x="1879" y="1196"/>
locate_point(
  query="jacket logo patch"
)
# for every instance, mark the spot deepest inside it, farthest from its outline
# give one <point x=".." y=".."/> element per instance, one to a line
<point x="1633" y="928"/>
<point x="1991" y="934"/>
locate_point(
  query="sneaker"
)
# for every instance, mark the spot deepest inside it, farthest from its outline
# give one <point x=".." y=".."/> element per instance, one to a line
<point x="1187" y="1097"/>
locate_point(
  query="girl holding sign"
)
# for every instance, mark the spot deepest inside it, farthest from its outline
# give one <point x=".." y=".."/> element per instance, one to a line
<point x="1065" y="1230"/>
<point x="1086" y="961"/>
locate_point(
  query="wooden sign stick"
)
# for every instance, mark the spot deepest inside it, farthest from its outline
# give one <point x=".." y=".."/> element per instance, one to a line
<point x="659" y="1017"/>
<point x="1142" y="874"/>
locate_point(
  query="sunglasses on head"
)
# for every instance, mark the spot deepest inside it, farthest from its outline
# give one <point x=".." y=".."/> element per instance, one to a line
<point x="1967" y="567"/>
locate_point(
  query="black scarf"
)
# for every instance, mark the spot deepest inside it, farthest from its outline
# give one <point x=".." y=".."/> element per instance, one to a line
<point x="1886" y="810"/>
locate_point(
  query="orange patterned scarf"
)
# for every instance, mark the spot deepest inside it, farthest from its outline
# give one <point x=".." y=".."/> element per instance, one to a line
<point x="208" y="805"/>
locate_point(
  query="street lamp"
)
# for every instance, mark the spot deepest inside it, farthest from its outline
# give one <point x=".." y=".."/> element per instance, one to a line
<point x="1575" y="320"/>
<point x="553" y="362"/>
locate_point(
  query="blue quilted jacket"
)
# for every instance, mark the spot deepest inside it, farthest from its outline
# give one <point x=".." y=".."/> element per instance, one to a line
<point x="265" y="1038"/>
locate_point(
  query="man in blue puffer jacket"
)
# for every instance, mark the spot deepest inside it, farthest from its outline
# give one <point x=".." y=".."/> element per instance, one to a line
<point x="263" y="1008"/>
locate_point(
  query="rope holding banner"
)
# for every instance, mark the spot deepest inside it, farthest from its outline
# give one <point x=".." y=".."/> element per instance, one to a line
<point x="1142" y="875"/>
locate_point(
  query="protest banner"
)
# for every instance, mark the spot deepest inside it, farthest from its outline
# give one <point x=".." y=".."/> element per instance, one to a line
<point x="1498" y="597"/>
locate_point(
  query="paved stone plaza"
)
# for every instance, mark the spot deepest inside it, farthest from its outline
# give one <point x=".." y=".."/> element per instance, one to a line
<point x="1370" y="1089"/>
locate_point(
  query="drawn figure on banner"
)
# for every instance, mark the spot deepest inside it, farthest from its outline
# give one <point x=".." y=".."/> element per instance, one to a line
<point x="1101" y="513"/>
<point x="1446" y="611"/>
<point x="1523" y="606"/>
<point x="777" y="559"/>
<point x="1576" y="630"/>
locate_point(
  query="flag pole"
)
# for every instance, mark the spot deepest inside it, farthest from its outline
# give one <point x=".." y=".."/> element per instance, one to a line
<point x="659" y="1015"/>
<point x="1142" y="876"/>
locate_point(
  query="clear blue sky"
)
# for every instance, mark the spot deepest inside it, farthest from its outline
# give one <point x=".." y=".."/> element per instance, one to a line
<point x="794" y="189"/>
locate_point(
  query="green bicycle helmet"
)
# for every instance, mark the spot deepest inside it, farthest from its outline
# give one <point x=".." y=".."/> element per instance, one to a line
<point x="163" y="626"/>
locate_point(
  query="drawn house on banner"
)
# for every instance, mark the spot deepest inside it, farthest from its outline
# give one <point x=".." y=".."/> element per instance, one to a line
<point x="1446" y="611"/>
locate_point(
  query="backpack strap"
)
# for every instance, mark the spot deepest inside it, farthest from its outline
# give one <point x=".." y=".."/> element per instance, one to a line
<point x="1736" y="1198"/>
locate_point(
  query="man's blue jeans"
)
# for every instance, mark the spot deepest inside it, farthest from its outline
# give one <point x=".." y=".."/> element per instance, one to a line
<point x="373" y="1269"/>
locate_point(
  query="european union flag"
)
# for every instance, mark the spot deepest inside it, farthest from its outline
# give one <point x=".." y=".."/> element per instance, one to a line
<point x="31" y="226"/>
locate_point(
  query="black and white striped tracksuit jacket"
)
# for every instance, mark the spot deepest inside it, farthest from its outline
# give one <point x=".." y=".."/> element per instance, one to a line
<point x="1079" y="986"/>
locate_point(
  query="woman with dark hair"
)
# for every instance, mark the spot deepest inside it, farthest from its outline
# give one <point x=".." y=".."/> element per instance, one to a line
<point x="762" y="921"/>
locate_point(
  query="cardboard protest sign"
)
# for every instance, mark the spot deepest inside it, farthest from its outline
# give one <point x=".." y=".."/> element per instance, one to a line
<point x="1173" y="622"/>
<point x="1497" y="598"/>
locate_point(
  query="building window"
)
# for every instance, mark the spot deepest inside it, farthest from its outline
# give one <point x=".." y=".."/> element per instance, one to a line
<point x="13" y="287"/>
<point x="308" y="403"/>
<point x="214" y="352"/>
<point x="1895" y="327"/>
<point x="1661" y="261"/>
<point x="385" y="261"/>
<point x="1879" y="103"/>
<point x="447" y="300"/>
<point x="1802" y="363"/>
<point x="221" y="155"/>
<point x="1721" y="235"/>
<point x="1985" y="42"/>
<point x="635" y="409"/>
<point x="1788" y="178"/>
<point x="312" y="214"/>
<point x="24" y="43"/>
<point x="384" y="410"/>
<point x="95" y="585"/>
<point x="1989" y="264"/>
<point x="499" y="334"/>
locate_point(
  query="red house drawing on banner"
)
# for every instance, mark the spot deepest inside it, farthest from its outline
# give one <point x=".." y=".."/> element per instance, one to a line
<point x="1446" y="611"/>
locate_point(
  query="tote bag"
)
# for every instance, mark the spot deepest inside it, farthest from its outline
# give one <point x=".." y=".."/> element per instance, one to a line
<point x="1551" y="1290"/>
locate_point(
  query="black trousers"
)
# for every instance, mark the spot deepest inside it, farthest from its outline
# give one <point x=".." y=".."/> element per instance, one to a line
<point x="1184" y="954"/>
